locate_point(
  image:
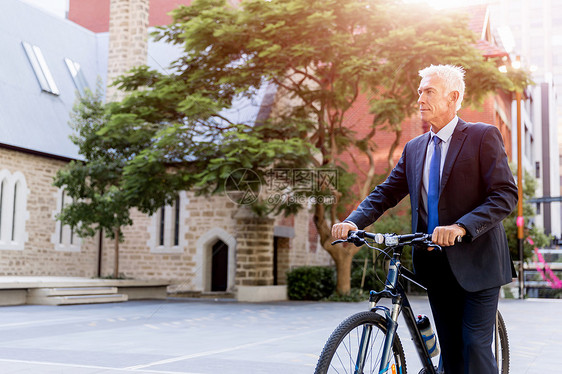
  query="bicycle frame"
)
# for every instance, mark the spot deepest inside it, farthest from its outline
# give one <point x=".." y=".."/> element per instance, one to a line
<point x="394" y="290"/>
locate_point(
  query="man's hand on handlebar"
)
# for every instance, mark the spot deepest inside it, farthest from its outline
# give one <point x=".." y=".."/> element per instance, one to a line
<point x="446" y="236"/>
<point x="340" y="230"/>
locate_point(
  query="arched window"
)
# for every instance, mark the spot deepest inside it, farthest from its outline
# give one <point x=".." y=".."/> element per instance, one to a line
<point x="166" y="228"/>
<point x="64" y="237"/>
<point x="13" y="210"/>
<point x="2" y="187"/>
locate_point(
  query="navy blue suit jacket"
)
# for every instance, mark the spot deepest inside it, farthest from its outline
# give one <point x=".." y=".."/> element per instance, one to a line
<point x="477" y="190"/>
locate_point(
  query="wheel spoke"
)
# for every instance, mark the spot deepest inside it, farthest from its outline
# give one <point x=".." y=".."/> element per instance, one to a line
<point x="342" y="351"/>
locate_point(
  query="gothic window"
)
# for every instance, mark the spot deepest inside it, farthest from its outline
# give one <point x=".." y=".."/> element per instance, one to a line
<point x="13" y="210"/>
<point x="64" y="238"/>
<point x="166" y="226"/>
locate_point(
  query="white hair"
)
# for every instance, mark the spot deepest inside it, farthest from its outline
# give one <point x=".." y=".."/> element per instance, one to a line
<point x="453" y="76"/>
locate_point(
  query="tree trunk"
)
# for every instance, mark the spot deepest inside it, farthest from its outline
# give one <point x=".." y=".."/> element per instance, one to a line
<point x="116" y="268"/>
<point x="342" y="255"/>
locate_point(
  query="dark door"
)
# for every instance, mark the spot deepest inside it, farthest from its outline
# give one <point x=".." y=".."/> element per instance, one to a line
<point x="219" y="269"/>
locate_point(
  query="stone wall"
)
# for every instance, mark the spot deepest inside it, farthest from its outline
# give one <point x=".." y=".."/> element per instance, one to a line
<point x="206" y="220"/>
<point x="41" y="254"/>
<point x="203" y="222"/>
<point x="128" y="40"/>
<point x="306" y="247"/>
<point x="254" y="263"/>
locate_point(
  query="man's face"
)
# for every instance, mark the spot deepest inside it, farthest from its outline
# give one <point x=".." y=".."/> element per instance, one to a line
<point x="437" y="107"/>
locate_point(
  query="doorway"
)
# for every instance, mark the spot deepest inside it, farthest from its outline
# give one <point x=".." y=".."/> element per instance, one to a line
<point x="219" y="266"/>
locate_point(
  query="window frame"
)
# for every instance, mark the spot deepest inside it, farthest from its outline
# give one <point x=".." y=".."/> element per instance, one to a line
<point x="13" y="210"/>
<point x="64" y="238"/>
<point x="167" y="228"/>
<point x="40" y="68"/>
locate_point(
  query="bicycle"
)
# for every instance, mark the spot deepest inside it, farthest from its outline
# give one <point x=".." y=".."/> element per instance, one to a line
<point x="367" y="342"/>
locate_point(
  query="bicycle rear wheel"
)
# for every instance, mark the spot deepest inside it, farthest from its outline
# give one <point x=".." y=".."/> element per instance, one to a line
<point x="500" y="345"/>
<point x="342" y="348"/>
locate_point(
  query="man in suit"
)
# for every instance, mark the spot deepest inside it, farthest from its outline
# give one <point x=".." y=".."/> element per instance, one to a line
<point x="460" y="186"/>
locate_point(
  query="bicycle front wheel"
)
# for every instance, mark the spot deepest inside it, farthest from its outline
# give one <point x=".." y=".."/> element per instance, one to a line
<point x="342" y="350"/>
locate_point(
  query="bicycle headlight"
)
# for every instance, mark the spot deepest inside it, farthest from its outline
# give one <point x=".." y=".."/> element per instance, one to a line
<point x="391" y="240"/>
<point x="379" y="238"/>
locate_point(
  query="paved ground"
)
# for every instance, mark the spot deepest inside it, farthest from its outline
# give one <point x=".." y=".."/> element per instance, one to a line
<point x="208" y="337"/>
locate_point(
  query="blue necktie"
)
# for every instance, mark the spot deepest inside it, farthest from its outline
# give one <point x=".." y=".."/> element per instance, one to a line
<point x="433" y="189"/>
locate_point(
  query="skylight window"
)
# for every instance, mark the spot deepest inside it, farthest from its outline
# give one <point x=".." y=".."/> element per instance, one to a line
<point x="39" y="65"/>
<point x="77" y="75"/>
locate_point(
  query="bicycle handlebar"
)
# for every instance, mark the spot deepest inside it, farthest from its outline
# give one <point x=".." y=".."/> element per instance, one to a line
<point x="390" y="240"/>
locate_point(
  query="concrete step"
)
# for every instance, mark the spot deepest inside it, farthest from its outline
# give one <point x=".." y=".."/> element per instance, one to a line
<point x="76" y="299"/>
<point x="15" y="290"/>
<point x="74" y="295"/>
<point x="71" y="291"/>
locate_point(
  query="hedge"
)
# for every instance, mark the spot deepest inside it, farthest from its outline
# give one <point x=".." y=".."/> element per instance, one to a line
<point x="311" y="283"/>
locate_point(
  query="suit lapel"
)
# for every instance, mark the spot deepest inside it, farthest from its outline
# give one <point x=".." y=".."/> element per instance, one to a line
<point x="419" y="162"/>
<point x="417" y="173"/>
<point x="457" y="140"/>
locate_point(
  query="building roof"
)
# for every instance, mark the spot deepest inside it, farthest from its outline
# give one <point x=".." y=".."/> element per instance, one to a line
<point x="479" y="23"/>
<point x="37" y="121"/>
<point x="31" y="118"/>
<point x="490" y="50"/>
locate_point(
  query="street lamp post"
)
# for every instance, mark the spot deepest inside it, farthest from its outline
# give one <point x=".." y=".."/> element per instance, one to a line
<point x="520" y="219"/>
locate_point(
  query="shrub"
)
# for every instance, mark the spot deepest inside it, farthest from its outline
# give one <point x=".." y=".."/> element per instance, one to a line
<point x="311" y="283"/>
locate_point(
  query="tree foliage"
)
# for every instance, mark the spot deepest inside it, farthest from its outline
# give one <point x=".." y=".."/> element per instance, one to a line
<point x="173" y="132"/>
<point x="93" y="184"/>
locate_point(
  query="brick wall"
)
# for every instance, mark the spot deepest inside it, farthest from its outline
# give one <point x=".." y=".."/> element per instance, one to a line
<point x="494" y="110"/>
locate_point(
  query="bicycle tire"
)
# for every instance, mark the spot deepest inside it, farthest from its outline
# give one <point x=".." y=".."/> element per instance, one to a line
<point x="340" y="352"/>
<point x="503" y="347"/>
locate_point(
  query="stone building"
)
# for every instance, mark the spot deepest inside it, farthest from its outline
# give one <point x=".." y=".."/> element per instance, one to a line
<point x="199" y="244"/>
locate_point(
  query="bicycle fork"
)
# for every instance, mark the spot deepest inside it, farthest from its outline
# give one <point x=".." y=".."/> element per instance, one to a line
<point x="363" y="348"/>
<point x="391" y="327"/>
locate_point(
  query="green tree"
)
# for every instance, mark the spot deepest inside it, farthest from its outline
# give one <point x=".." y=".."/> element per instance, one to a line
<point x="321" y="56"/>
<point x="93" y="184"/>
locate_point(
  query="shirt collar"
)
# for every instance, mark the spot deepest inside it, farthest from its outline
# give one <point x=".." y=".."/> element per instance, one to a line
<point x="447" y="131"/>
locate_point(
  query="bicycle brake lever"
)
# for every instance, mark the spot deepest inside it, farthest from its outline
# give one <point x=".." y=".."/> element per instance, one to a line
<point x="338" y="241"/>
<point x="458" y="239"/>
<point x="435" y="246"/>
